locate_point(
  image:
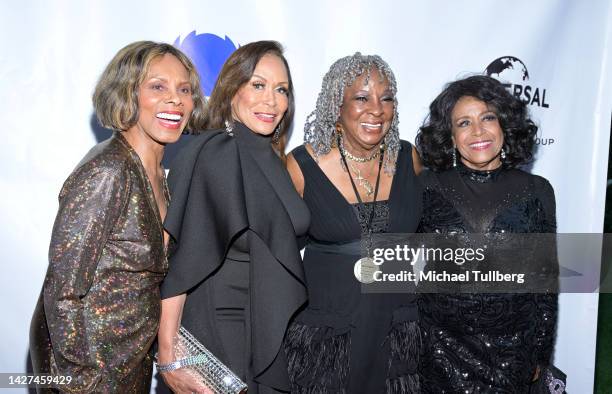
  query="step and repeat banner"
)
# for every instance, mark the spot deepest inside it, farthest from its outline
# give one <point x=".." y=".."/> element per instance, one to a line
<point x="555" y="55"/>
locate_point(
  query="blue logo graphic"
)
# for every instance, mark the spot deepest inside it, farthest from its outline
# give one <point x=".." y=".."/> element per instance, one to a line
<point x="208" y="52"/>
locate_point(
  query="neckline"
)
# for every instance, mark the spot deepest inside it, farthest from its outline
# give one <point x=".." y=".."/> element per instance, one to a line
<point x="250" y="138"/>
<point x="480" y="176"/>
<point x="143" y="173"/>
<point x="337" y="191"/>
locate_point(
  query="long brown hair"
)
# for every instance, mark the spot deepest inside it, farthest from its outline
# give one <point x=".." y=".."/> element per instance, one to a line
<point x="238" y="70"/>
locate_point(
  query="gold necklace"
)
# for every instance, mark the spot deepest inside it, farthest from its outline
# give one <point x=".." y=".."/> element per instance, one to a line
<point x="363" y="182"/>
<point x="357" y="159"/>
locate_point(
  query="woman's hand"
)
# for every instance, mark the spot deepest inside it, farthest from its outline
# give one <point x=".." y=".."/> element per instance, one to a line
<point x="181" y="381"/>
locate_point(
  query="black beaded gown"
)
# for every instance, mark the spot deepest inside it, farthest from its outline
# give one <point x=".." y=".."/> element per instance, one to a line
<point x="485" y="343"/>
<point x="345" y="341"/>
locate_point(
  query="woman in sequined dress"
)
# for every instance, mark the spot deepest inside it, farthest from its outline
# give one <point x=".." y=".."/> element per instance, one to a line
<point x="98" y="312"/>
<point x="475" y="137"/>
<point x="236" y="276"/>
<point x="357" y="177"/>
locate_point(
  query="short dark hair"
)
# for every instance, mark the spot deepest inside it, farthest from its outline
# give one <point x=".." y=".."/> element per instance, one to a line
<point x="115" y="98"/>
<point x="434" y="140"/>
<point x="238" y="70"/>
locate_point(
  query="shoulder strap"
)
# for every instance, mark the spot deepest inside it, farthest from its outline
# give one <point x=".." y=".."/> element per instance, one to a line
<point x="306" y="162"/>
<point x="406" y="151"/>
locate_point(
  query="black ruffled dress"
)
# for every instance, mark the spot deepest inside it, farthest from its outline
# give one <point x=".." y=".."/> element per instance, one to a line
<point x="234" y="218"/>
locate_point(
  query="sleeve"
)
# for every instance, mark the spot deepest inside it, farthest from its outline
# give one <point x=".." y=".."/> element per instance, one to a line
<point x="90" y="202"/>
<point x="207" y="210"/>
<point x="547" y="303"/>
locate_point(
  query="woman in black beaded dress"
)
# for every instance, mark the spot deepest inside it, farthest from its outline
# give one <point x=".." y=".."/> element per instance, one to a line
<point x="357" y="177"/>
<point x="476" y="135"/>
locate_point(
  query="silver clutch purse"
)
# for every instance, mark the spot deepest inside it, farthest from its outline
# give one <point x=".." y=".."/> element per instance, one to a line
<point x="194" y="358"/>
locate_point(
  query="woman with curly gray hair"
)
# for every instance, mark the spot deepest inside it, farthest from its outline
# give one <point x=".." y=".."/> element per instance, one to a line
<point x="357" y="178"/>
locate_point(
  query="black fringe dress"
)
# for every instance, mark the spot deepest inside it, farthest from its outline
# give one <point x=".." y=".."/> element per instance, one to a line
<point x="345" y="341"/>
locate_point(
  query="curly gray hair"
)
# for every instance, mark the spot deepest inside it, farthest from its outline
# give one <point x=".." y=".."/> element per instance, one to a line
<point x="320" y="126"/>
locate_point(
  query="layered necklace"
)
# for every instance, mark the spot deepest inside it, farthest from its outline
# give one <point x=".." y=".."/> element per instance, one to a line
<point x="361" y="180"/>
<point x="364" y="269"/>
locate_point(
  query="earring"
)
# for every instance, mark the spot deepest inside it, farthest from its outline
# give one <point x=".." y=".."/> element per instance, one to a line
<point x="276" y="135"/>
<point x="339" y="129"/>
<point x="454" y="157"/>
<point x="228" y="128"/>
<point x="336" y="135"/>
<point x="502" y="154"/>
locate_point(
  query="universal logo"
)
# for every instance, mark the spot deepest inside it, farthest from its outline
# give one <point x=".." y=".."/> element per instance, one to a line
<point x="513" y="73"/>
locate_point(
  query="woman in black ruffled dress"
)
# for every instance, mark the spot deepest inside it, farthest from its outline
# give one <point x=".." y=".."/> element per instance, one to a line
<point x="475" y="137"/>
<point x="235" y="276"/>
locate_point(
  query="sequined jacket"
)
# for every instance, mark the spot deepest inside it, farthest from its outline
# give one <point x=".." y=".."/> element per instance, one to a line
<point x="98" y="312"/>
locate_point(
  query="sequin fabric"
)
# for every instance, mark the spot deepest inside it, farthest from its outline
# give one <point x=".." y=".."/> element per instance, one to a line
<point x="99" y="308"/>
<point x="486" y="343"/>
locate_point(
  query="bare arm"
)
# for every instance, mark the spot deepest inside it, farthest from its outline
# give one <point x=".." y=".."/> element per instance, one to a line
<point x="170" y="320"/>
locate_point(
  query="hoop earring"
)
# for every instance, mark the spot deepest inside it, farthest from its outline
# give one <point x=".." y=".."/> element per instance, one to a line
<point x="454" y="157"/>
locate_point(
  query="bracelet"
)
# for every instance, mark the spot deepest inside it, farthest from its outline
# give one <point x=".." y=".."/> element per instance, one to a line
<point x="184" y="362"/>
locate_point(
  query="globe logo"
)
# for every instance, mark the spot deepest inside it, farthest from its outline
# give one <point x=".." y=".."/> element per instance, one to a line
<point x="208" y="52"/>
<point x="508" y="68"/>
<point x="512" y="73"/>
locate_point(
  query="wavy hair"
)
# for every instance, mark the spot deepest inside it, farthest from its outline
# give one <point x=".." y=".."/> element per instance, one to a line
<point x="320" y="127"/>
<point x="115" y="97"/>
<point x="434" y="138"/>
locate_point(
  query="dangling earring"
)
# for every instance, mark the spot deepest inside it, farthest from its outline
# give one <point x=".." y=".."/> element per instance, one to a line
<point x="276" y="135"/>
<point x="454" y="157"/>
<point x="228" y="128"/>
<point x="502" y="154"/>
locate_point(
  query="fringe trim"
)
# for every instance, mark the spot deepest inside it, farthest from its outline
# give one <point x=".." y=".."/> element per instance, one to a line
<point x="405" y="347"/>
<point x="318" y="359"/>
<point x="409" y="384"/>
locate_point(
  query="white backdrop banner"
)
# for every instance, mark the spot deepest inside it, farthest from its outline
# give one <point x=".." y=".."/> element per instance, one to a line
<point x="554" y="54"/>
